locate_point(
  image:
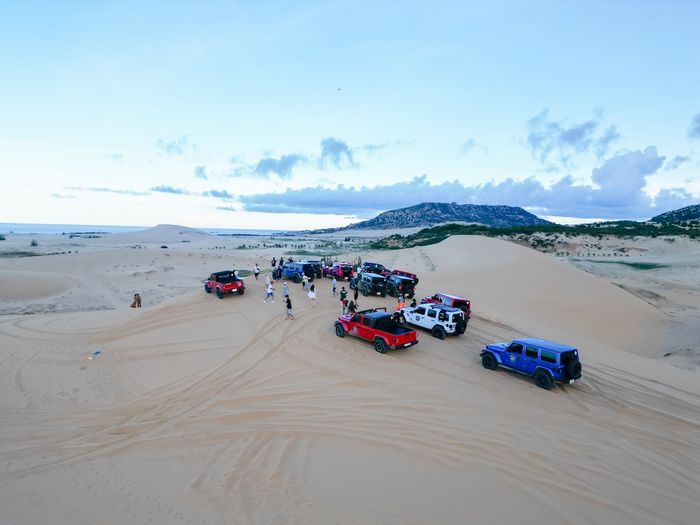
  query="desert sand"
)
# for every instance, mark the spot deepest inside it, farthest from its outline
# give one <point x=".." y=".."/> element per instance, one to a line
<point x="200" y="410"/>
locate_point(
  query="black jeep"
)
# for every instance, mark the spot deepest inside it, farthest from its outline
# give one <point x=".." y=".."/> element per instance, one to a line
<point x="369" y="283"/>
<point x="397" y="285"/>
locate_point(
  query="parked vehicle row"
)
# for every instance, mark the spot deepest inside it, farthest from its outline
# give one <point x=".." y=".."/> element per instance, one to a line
<point x="441" y="314"/>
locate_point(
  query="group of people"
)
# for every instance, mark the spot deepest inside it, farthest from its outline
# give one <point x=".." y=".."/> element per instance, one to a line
<point x="270" y="294"/>
<point x="348" y="306"/>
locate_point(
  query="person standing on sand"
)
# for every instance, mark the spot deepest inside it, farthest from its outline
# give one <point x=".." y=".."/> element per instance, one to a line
<point x="335" y="286"/>
<point x="256" y="272"/>
<point x="270" y="292"/>
<point x="290" y="315"/>
<point x="352" y="308"/>
<point x="136" y="303"/>
<point x="267" y="280"/>
<point x="343" y="293"/>
<point x="312" y="295"/>
<point x="304" y="282"/>
<point x="285" y="289"/>
<point x="273" y="263"/>
<point x="356" y="293"/>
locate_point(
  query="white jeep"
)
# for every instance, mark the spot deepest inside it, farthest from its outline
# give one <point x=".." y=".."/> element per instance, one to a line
<point x="439" y="319"/>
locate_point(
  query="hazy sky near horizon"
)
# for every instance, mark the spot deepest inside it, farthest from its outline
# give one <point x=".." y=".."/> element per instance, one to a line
<point x="315" y="114"/>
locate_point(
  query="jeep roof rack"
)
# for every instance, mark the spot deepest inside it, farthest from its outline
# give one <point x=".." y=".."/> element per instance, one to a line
<point x="544" y="343"/>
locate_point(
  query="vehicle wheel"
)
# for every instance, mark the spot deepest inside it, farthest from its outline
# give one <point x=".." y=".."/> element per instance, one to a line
<point x="379" y="346"/>
<point x="365" y="291"/>
<point x="339" y="330"/>
<point x="489" y="361"/>
<point x="207" y="289"/>
<point x="296" y="278"/>
<point x="438" y="332"/>
<point x="573" y="370"/>
<point x="543" y="380"/>
<point x="383" y="294"/>
<point x="411" y="295"/>
<point x="241" y="291"/>
<point x="219" y="293"/>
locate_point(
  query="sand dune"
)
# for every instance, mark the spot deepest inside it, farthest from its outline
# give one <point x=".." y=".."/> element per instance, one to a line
<point x="202" y="410"/>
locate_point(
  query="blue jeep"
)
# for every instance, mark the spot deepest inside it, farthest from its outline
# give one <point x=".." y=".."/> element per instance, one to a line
<point x="545" y="361"/>
<point x="295" y="271"/>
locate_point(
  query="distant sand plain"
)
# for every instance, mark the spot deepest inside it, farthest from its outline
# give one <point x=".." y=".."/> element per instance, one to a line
<point x="200" y="410"/>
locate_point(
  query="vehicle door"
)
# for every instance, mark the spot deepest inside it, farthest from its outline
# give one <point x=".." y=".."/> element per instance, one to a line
<point x="431" y="318"/>
<point x="513" y="356"/>
<point x="367" y="328"/>
<point x="418" y="316"/>
<point x="530" y="359"/>
<point x="355" y="325"/>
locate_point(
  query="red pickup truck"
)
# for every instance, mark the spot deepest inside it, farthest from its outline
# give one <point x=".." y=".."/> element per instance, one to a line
<point x="378" y="326"/>
<point x="339" y="270"/>
<point x="223" y="283"/>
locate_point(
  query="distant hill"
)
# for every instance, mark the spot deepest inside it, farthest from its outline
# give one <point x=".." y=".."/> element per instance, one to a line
<point x="432" y="213"/>
<point x="689" y="213"/>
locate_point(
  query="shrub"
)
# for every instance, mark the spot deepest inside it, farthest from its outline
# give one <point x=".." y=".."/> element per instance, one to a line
<point x="34" y="243"/>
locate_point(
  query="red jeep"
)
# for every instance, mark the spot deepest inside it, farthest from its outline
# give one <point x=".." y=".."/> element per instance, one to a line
<point x="378" y="326"/>
<point x="451" y="300"/>
<point x="339" y="270"/>
<point x="403" y="273"/>
<point x="223" y="283"/>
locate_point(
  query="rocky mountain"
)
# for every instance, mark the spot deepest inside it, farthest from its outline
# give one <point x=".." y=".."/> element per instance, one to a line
<point x="689" y="213"/>
<point x="432" y="213"/>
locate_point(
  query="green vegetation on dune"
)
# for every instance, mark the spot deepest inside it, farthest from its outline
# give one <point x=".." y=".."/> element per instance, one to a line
<point x="315" y="253"/>
<point x="635" y="265"/>
<point x="626" y="229"/>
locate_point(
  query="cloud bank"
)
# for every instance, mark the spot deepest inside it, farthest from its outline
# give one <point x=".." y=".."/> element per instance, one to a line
<point x="282" y="167"/>
<point x="617" y="192"/>
<point x="676" y="161"/>
<point x="556" y="140"/>
<point x="200" y="172"/>
<point x="334" y="154"/>
<point x="694" y="130"/>
<point x="173" y="147"/>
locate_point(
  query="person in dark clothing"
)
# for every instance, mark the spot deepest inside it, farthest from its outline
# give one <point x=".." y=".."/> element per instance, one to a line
<point x="290" y="315"/>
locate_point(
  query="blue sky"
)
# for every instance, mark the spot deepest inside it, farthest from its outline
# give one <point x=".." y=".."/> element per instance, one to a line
<point x="317" y="114"/>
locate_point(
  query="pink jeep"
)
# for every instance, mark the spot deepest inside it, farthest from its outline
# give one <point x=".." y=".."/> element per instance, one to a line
<point x="451" y="300"/>
<point x="339" y="270"/>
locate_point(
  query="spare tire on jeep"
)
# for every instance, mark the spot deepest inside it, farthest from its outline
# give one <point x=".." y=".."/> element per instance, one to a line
<point x="573" y="369"/>
<point x="462" y="326"/>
